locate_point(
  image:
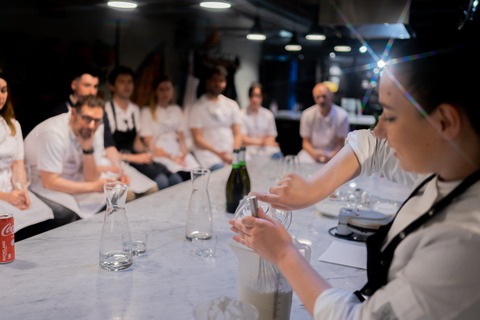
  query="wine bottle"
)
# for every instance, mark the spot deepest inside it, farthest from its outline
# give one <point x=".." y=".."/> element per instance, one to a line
<point x="235" y="189"/>
<point x="244" y="171"/>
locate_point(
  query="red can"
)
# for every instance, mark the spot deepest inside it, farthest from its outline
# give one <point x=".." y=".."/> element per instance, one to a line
<point x="7" y="238"/>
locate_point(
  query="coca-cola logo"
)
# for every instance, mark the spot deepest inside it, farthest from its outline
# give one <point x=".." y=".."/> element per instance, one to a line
<point x="7" y="230"/>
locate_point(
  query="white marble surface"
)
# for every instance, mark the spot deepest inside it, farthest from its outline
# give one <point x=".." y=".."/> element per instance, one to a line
<point x="56" y="274"/>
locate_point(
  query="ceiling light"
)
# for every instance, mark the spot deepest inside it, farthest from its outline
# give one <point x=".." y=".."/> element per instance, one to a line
<point x="342" y="48"/>
<point x="293" y="45"/>
<point x="122" y="4"/>
<point x="215" y="5"/>
<point x="256" y="33"/>
<point x="363" y="49"/>
<point x="381" y="63"/>
<point x="316" y="33"/>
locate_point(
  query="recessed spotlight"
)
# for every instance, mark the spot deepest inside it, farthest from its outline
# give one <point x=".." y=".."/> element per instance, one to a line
<point x="122" y="4"/>
<point x="342" y="48"/>
<point x="256" y="37"/>
<point x="381" y="64"/>
<point x="362" y="49"/>
<point x="315" y="37"/>
<point x="293" y="47"/>
<point x="215" y="5"/>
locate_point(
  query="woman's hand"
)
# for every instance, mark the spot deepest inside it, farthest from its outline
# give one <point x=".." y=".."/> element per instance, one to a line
<point x="293" y="192"/>
<point x="18" y="198"/>
<point x="264" y="235"/>
<point x="159" y="152"/>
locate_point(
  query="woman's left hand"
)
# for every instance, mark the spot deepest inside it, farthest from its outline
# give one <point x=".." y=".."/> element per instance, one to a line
<point x="264" y="235"/>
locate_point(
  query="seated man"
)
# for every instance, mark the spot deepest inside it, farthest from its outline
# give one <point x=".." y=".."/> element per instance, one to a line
<point x="323" y="127"/>
<point x="61" y="152"/>
<point x="85" y="81"/>
<point x="259" y="130"/>
<point x="215" y="123"/>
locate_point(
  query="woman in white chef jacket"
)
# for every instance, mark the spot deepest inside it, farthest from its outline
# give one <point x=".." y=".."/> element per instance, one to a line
<point x="259" y="129"/>
<point x="424" y="265"/>
<point x="28" y="211"/>
<point x="162" y="127"/>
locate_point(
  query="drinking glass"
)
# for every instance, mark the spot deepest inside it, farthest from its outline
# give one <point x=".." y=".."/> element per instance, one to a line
<point x="21" y="176"/>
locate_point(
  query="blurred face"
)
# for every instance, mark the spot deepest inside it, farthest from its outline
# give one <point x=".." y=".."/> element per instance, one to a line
<point x="164" y="93"/>
<point x="123" y="87"/>
<point x="87" y="121"/>
<point x="322" y="96"/>
<point x="216" y="84"/>
<point x="415" y="140"/>
<point x="256" y="99"/>
<point x="3" y="93"/>
<point x="85" y="85"/>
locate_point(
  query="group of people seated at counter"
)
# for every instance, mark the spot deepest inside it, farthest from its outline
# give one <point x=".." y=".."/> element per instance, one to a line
<point x="87" y="142"/>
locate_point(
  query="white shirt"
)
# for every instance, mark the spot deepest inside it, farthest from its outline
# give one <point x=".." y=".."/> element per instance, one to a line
<point x="215" y="118"/>
<point x="11" y="149"/>
<point x="125" y="119"/>
<point x="164" y="129"/>
<point x="434" y="272"/>
<point x="53" y="147"/>
<point x="257" y="126"/>
<point x="324" y="131"/>
<point x="260" y="124"/>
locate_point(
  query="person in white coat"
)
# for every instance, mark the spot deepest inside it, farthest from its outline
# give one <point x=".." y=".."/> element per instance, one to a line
<point x="259" y="130"/>
<point x="423" y="265"/>
<point x="30" y="215"/>
<point x="215" y="123"/>
<point x="323" y="127"/>
<point x="62" y="152"/>
<point x="162" y="129"/>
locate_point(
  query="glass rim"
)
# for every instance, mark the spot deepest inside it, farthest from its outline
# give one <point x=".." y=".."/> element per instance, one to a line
<point x="114" y="184"/>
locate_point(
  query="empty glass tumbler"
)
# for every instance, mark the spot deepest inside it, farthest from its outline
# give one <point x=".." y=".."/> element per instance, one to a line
<point x="116" y="241"/>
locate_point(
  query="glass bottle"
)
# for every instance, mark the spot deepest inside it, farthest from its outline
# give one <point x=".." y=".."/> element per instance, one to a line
<point x="116" y="241"/>
<point x="235" y="189"/>
<point x="199" y="215"/>
<point x="243" y="170"/>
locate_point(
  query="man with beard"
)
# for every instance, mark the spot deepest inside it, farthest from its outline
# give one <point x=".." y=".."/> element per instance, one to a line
<point x="215" y="123"/>
<point x="323" y="127"/>
<point x="62" y="153"/>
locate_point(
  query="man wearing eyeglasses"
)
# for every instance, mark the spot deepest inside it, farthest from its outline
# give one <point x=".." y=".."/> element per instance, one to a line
<point x="63" y="152"/>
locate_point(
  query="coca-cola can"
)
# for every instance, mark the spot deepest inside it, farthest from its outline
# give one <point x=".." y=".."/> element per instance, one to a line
<point x="7" y="238"/>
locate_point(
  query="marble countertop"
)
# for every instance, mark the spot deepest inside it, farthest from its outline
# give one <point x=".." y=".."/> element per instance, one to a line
<point x="56" y="274"/>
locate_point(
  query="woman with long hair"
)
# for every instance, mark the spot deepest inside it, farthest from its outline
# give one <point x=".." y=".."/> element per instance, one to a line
<point x="15" y="198"/>
<point x="162" y="127"/>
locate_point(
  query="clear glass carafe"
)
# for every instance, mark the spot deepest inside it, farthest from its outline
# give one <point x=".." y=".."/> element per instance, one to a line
<point x="199" y="215"/>
<point x="116" y="241"/>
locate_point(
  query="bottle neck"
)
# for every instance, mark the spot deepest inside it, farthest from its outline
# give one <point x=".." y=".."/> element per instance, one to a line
<point x="242" y="158"/>
<point x="235" y="162"/>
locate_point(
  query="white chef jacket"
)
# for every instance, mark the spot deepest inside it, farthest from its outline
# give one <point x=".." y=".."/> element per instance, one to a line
<point x="11" y="149"/>
<point x="322" y="131"/>
<point x="434" y="271"/>
<point x="215" y="118"/>
<point x="53" y="147"/>
<point x="256" y="126"/>
<point x="164" y="129"/>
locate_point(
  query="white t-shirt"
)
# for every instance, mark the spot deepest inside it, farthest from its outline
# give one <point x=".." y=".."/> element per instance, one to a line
<point x="11" y="149"/>
<point x="434" y="272"/>
<point x="53" y="147"/>
<point x="215" y="118"/>
<point x="324" y="131"/>
<point x="124" y="119"/>
<point x="260" y="124"/>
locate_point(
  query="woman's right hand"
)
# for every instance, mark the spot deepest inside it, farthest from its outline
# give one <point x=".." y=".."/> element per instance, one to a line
<point x="293" y="192"/>
<point x="16" y="198"/>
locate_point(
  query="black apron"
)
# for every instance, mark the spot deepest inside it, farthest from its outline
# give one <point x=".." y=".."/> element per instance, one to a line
<point x="125" y="140"/>
<point x="378" y="262"/>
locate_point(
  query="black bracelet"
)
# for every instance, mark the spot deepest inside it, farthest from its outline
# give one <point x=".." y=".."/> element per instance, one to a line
<point x="89" y="151"/>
